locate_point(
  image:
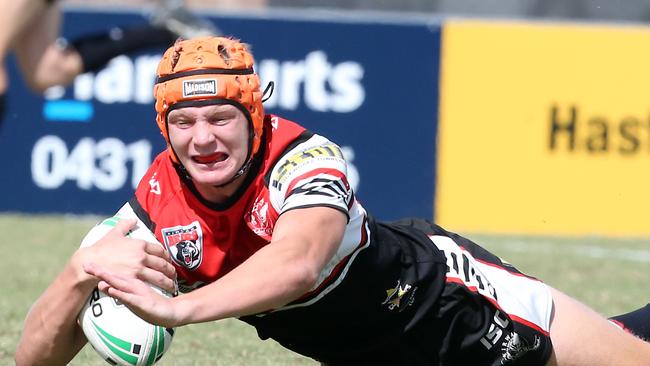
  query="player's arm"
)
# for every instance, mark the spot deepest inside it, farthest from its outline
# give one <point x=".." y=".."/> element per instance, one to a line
<point x="313" y="203"/>
<point x="51" y="335"/>
<point x="304" y="240"/>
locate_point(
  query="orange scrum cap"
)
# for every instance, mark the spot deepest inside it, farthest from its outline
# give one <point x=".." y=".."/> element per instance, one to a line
<point x="209" y="70"/>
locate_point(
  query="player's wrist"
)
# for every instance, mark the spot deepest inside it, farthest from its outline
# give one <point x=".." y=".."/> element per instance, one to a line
<point x="77" y="273"/>
<point x="181" y="310"/>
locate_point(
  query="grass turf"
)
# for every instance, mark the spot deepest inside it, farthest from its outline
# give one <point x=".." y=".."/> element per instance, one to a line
<point x="607" y="274"/>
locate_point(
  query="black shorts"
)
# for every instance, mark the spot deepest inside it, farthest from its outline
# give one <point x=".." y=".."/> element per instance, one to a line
<point x="488" y="314"/>
<point x="492" y="313"/>
<point x="420" y="296"/>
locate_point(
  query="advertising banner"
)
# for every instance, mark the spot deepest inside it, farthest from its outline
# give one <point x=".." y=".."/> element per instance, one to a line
<point x="362" y="83"/>
<point x="544" y="128"/>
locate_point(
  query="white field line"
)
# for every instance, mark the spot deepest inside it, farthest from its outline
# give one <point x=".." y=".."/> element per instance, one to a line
<point x="591" y="251"/>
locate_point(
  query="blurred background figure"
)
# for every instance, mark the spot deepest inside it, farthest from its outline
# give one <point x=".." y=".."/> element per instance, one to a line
<point x="32" y="29"/>
<point x="628" y="10"/>
<point x="174" y="16"/>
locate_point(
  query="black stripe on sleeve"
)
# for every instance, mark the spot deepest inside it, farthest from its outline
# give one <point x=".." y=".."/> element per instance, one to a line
<point x="312" y="187"/>
<point x="337" y="208"/>
<point x="142" y="214"/>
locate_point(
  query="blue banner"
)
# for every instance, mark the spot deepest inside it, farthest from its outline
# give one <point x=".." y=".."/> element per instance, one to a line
<point x="371" y="87"/>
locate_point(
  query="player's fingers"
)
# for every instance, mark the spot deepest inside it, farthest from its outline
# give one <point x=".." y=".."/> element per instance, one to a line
<point x="103" y="286"/>
<point x="103" y="275"/>
<point x="122" y="227"/>
<point x="158" y="279"/>
<point x="136" y="303"/>
<point x="125" y="297"/>
<point x="91" y="269"/>
<point x="157" y="250"/>
<point x="122" y="296"/>
<point x="161" y="265"/>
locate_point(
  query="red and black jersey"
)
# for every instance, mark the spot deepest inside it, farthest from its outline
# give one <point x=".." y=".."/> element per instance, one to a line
<point x="403" y="293"/>
<point x="295" y="168"/>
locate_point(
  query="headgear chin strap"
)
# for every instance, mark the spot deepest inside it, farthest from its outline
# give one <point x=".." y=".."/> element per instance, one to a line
<point x="210" y="70"/>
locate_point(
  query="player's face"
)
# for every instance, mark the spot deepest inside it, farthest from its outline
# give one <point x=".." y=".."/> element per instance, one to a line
<point x="212" y="143"/>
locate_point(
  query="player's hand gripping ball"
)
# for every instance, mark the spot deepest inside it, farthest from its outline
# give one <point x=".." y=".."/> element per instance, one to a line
<point x="118" y="335"/>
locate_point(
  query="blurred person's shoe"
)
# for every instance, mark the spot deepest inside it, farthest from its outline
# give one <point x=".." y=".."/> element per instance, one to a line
<point x="177" y="19"/>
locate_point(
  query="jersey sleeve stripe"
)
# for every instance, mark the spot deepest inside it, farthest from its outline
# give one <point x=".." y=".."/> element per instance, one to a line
<point x="142" y="214"/>
<point x="311" y="187"/>
<point x="313" y="173"/>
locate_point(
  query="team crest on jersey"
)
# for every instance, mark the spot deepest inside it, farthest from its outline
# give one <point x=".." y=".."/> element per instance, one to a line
<point x="259" y="218"/>
<point x="185" y="244"/>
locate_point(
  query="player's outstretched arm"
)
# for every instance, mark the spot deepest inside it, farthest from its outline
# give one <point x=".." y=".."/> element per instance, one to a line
<point x="51" y="335"/>
<point x="304" y="240"/>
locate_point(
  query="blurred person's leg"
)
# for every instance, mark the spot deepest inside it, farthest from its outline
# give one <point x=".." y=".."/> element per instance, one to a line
<point x="43" y="62"/>
<point x="16" y="16"/>
<point x="224" y="4"/>
<point x="175" y="16"/>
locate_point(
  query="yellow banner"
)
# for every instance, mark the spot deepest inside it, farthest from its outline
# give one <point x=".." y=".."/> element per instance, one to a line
<point x="544" y="129"/>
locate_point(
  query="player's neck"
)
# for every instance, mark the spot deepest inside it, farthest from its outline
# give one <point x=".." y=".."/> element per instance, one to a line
<point x="220" y="194"/>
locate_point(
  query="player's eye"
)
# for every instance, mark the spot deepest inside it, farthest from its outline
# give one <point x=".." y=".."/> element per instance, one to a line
<point x="181" y="122"/>
<point x="220" y="119"/>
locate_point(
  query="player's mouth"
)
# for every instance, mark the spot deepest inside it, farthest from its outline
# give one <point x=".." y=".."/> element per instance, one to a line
<point x="210" y="159"/>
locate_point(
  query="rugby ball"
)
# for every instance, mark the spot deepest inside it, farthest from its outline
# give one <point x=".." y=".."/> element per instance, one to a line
<point x="118" y="335"/>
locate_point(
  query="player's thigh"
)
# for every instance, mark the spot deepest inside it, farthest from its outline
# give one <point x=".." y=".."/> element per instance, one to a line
<point x="581" y="336"/>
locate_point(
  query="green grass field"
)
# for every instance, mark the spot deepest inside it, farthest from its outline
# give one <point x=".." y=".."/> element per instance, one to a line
<point x="608" y="274"/>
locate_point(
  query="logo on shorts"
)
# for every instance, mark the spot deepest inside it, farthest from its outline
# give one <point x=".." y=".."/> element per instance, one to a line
<point x="515" y="346"/>
<point x="395" y="295"/>
<point x="199" y="87"/>
<point x="185" y="244"/>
